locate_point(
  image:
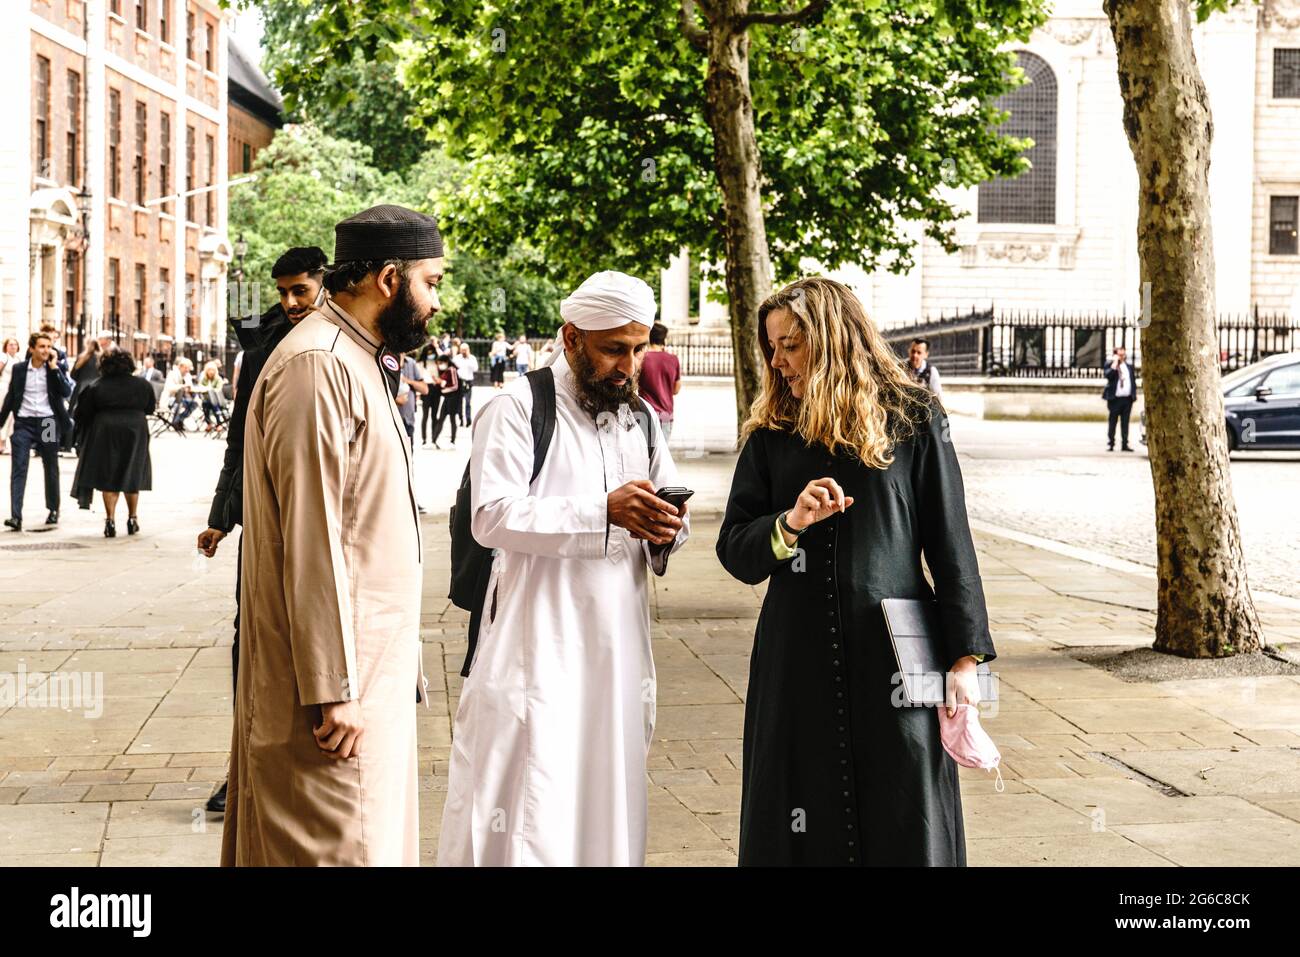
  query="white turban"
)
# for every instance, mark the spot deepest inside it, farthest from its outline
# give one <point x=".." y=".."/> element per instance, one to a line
<point x="606" y="300"/>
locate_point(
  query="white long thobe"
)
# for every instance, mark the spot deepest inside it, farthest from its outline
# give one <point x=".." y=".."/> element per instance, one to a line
<point x="549" y="746"/>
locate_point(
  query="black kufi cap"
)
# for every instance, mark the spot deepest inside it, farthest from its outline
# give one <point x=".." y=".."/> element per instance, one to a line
<point x="387" y="232"/>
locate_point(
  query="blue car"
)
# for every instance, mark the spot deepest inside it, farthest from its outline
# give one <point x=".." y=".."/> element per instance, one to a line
<point x="1261" y="405"/>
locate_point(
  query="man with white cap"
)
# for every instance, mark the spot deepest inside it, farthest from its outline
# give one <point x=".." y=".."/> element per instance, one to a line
<point x="557" y="713"/>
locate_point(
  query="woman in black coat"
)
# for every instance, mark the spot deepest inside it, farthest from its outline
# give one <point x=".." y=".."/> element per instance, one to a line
<point x="846" y="478"/>
<point x="113" y="438"/>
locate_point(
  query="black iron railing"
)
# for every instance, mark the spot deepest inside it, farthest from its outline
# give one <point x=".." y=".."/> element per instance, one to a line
<point x="996" y="342"/>
<point x="699" y="355"/>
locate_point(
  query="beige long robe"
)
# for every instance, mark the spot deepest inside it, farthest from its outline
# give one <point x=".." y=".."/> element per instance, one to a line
<point x="330" y="609"/>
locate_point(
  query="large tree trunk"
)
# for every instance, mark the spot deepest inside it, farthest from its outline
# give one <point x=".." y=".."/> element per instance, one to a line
<point x="1204" y="604"/>
<point x="730" y="113"/>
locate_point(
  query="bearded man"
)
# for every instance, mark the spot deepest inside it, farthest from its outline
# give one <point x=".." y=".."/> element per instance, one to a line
<point x="323" y="757"/>
<point x="557" y="713"/>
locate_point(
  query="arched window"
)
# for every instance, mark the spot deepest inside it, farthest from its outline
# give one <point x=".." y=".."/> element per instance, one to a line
<point x="1031" y="196"/>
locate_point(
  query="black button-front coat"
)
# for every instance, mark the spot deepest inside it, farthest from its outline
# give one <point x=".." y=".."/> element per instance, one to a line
<point x="834" y="772"/>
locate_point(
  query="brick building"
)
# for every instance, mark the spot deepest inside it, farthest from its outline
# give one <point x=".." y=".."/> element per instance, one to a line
<point x="123" y="103"/>
<point x="253" y="109"/>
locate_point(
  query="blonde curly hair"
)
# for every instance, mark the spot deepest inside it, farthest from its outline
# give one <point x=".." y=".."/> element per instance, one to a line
<point x="857" y="395"/>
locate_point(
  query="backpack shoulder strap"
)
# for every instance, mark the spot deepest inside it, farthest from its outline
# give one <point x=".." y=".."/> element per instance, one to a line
<point x="647" y="427"/>
<point x="542" y="383"/>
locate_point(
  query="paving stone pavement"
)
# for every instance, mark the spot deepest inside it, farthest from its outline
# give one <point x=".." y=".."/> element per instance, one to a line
<point x="1097" y="770"/>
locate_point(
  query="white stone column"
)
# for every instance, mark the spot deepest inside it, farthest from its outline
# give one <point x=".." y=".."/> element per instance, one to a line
<point x="16" y="180"/>
<point x="180" y="117"/>
<point x="1225" y="49"/>
<point x="714" y="316"/>
<point x="675" y="291"/>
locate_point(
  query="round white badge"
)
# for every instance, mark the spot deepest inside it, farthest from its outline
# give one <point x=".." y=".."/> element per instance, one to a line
<point x="390" y="362"/>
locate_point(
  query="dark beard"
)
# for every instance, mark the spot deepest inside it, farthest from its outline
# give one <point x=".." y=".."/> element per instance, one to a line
<point x="401" y="325"/>
<point x="597" y="394"/>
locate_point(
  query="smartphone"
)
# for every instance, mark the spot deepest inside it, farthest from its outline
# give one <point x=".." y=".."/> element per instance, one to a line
<point x="674" y="495"/>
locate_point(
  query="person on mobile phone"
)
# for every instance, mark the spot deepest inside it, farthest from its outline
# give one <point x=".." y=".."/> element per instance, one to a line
<point x="847" y="478"/>
<point x="557" y="713"/>
<point x="1120" y="394"/>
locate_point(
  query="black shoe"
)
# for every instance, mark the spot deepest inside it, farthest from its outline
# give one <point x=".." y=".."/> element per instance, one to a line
<point x="1111" y="447"/>
<point x="132" y="526"/>
<point x="217" y="803"/>
<point x="110" y="530"/>
<point x="52" y="518"/>
<point x="15" y="523"/>
<point x="1126" y="448"/>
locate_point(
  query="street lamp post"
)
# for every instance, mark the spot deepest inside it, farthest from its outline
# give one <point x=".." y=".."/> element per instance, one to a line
<point x="83" y="207"/>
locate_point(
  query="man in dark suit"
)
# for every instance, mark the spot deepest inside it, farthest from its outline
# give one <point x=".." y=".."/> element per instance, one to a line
<point x="37" y="397"/>
<point x="1120" y="394"/>
<point x="298" y="276"/>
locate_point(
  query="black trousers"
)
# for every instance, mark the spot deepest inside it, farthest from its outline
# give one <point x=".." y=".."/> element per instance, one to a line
<point x="450" y="410"/>
<point x="430" y="405"/>
<point x="1119" y="410"/>
<point x="41" y="434"/>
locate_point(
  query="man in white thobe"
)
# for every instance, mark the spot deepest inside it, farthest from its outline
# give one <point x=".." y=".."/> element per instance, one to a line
<point x="548" y="756"/>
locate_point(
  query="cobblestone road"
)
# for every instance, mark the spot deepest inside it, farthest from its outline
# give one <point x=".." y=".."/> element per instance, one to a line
<point x="1056" y="480"/>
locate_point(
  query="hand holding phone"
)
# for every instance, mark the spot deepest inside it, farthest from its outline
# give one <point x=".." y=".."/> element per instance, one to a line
<point x="634" y="507"/>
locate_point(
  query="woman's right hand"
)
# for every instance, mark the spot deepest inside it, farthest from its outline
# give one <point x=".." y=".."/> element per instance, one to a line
<point x="821" y="498"/>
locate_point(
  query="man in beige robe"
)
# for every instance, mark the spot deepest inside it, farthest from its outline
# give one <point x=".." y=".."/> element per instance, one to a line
<point x="323" y="755"/>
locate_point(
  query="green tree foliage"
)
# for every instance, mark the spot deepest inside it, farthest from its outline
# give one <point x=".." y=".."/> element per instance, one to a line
<point x="584" y="129"/>
<point x="354" y="98"/>
<point x="307" y="181"/>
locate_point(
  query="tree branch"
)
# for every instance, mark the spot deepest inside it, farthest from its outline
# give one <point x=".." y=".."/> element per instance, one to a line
<point x="695" y="36"/>
<point x="810" y="10"/>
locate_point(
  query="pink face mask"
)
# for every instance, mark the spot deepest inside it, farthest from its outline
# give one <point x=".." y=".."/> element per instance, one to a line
<point x="968" y="743"/>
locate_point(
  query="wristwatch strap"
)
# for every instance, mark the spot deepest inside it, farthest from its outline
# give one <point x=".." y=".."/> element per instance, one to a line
<point x="786" y="526"/>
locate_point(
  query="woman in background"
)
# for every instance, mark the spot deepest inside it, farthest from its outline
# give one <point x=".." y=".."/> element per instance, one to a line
<point x="209" y="387"/>
<point x="8" y="358"/>
<point x="447" y="383"/>
<point x="113" y="438"/>
<point x="849" y="460"/>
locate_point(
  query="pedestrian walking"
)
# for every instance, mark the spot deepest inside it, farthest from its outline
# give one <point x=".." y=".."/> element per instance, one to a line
<point x="849" y="458"/>
<point x="36" y="398"/>
<point x="1120" y="393"/>
<point x="113" y="440"/>
<point x="466" y="369"/>
<point x="418" y="388"/>
<point x="497" y="360"/>
<point x="523" y="354"/>
<point x="431" y="399"/>
<point x="661" y="377"/>
<point x="448" y="386"/>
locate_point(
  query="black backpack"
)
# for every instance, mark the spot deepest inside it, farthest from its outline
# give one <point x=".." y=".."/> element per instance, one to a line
<point x="471" y="563"/>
